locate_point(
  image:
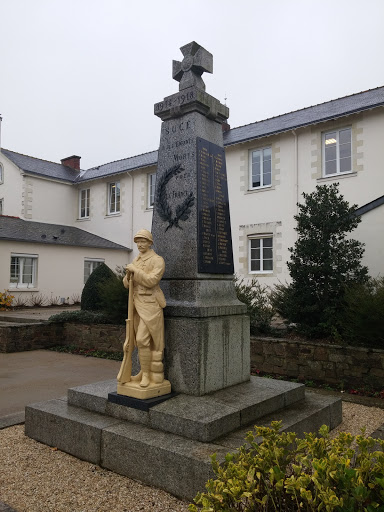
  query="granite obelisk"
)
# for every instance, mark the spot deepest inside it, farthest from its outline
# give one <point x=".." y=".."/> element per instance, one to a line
<point x="207" y="331"/>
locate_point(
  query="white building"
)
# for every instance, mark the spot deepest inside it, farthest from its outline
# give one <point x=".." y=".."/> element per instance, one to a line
<point x="269" y="164"/>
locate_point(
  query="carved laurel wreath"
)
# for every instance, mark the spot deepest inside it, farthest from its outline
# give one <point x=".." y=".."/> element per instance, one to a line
<point x="163" y="208"/>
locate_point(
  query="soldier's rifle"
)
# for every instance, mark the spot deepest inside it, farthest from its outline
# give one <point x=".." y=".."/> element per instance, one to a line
<point x="125" y="372"/>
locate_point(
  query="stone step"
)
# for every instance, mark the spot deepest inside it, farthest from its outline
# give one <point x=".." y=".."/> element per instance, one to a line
<point x="165" y="460"/>
<point x="71" y="429"/>
<point x="201" y="418"/>
<point x="308" y="415"/>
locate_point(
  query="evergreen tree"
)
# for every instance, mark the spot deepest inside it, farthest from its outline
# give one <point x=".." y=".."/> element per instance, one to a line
<point x="324" y="262"/>
<point x="91" y="296"/>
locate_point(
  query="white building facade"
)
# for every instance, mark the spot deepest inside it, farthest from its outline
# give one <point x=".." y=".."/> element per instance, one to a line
<point x="269" y="165"/>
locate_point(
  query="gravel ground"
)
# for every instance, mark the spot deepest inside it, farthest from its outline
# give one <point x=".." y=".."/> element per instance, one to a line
<point x="37" y="478"/>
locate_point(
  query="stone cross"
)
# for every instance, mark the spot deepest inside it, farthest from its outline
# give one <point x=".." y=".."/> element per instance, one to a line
<point x="196" y="61"/>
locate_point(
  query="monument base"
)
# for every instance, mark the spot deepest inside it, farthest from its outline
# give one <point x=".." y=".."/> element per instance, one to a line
<point x="134" y="390"/>
<point x="176" y="437"/>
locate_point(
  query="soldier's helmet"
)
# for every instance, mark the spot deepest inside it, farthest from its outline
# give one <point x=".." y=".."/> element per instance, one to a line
<point x="143" y="233"/>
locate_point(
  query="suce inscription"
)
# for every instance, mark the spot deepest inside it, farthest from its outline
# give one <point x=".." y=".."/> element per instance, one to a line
<point x="214" y="228"/>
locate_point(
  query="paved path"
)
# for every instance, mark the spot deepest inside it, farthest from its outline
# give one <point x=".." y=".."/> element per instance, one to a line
<point x="38" y="375"/>
<point x="26" y="315"/>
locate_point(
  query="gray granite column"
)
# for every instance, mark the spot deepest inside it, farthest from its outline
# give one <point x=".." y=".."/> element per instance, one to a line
<point x="207" y="332"/>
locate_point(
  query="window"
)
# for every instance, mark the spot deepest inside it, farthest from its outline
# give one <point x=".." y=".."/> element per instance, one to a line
<point x="261" y="254"/>
<point x="84" y="199"/>
<point x="1" y="174"/>
<point x="89" y="267"/>
<point x="337" y="152"/>
<point x="114" y="197"/>
<point x="23" y="270"/>
<point x="260" y="173"/>
<point x="151" y="189"/>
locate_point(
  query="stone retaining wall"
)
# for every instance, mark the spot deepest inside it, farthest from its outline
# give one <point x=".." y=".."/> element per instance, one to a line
<point x="109" y="338"/>
<point x="305" y="360"/>
<point x="17" y="338"/>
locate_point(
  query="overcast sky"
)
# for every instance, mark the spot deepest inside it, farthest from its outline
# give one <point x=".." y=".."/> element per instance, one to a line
<point x="81" y="76"/>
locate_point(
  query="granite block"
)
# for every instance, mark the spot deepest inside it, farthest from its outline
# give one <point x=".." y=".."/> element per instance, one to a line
<point x="292" y="390"/>
<point x="70" y="429"/>
<point x="123" y="412"/>
<point x="199" y="418"/>
<point x="202" y="297"/>
<point x="307" y="415"/>
<point x="257" y="398"/>
<point x="93" y="397"/>
<point x="178" y="146"/>
<point x="207" y="354"/>
<point x="167" y="461"/>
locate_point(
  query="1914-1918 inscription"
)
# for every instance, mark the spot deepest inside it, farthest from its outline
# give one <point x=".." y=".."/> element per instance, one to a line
<point x="214" y="229"/>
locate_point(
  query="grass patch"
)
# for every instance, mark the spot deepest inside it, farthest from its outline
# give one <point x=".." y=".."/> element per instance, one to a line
<point x="88" y="352"/>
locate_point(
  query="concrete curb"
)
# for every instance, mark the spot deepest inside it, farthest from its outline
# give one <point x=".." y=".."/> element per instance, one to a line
<point x="12" y="419"/>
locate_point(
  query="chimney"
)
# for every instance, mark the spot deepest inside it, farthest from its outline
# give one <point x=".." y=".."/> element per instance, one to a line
<point x="72" y="161"/>
<point x="225" y="126"/>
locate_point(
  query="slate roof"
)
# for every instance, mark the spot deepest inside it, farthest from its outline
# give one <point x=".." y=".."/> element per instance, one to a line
<point x="307" y="116"/>
<point x="19" y="230"/>
<point x="127" y="164"/>
<point x="370" y="206"/>
<point x="42" y="167"/>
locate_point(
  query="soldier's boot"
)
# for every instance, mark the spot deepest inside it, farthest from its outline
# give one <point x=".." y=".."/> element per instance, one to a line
<point x="157" y="368"/>
<point x="145" y="363"/>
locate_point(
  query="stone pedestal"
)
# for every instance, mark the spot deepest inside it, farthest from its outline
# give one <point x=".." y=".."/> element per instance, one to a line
<point x="207" y="331"/>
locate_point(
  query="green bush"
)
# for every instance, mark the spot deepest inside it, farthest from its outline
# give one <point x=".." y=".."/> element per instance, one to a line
<point x="114" y="297"/>
<point x="362" y="322"/>
<point x="257" y="299"/>
<point x="283" y="473"/>
<point x="90" y="298"/>
<point x="80" y="317"/>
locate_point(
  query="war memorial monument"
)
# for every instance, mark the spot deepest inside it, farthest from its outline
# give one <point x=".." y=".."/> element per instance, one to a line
<point x="165" y="438"/>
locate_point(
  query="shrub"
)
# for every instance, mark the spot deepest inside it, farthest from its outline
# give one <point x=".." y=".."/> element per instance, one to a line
<point x="280" y="472"/>
<point x="90" y="298"/>
<point x="257" y="299"/>
<point x="38" y="300"/>
<point x="20" y="301"/>
<point x="6" y="300"/>
<point x="362" y="321"/>
<point x="114" y="297"/>
<point x="323" y="264"/>
<point x="80" y="317"/>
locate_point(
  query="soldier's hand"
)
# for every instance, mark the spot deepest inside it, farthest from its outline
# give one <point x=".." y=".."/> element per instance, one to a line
<point x="130" y="268"/>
